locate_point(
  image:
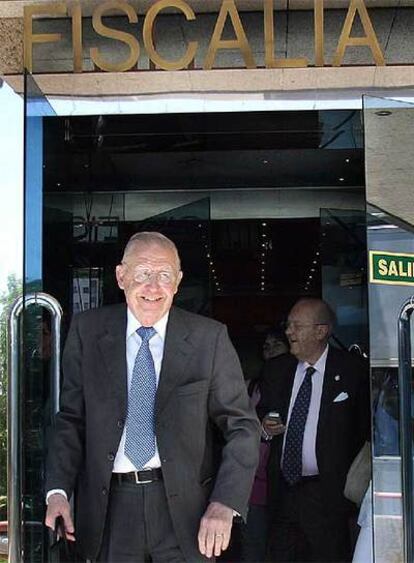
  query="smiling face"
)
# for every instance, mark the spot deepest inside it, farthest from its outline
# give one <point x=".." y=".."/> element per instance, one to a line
<point x="149" y="300"/>
<point x="307" y="331"/>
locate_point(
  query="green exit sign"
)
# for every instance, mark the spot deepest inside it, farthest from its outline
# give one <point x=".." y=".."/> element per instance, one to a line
<point x="391" y="268"/>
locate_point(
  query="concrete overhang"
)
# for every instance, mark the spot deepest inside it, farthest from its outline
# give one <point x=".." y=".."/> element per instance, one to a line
<point x="261" y="82"/>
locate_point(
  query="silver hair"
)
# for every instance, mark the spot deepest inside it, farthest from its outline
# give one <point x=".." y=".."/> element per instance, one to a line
<point x="148" y="238"/>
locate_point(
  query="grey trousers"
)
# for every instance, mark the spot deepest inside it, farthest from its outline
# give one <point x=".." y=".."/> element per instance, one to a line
<point x="138" y="526"/>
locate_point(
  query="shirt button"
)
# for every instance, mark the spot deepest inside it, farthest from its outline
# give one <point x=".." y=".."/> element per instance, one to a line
<point x="120" y="423"/>
<point x="111" y="456"/>
<point x="104" y="491"/>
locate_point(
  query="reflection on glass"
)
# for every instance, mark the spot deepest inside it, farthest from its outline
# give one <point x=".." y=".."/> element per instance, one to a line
<point x="389" y="171"/>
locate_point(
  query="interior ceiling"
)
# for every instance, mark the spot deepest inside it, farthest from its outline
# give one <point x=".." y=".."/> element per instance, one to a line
<point x="204" y="151"/>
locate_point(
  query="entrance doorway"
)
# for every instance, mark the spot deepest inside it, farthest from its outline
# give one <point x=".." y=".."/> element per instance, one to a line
<point x="265" y="208"/>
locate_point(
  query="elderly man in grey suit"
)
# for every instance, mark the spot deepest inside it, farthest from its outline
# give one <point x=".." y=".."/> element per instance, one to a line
<point x="154" y="432"/>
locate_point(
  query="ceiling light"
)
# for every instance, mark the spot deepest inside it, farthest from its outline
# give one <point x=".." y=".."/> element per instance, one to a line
<point x="341" y="179"/>
<point x="347" y="160"/>
<point x="383" y="113"/>
<point x="264" y="224"/>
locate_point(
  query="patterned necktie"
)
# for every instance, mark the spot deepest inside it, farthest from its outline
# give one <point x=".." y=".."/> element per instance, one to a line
<point x="140" y="435"/>
<point x="292" y="456"/>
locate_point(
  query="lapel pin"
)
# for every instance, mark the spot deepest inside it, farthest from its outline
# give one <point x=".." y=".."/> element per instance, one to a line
<point x="337" y="377"/>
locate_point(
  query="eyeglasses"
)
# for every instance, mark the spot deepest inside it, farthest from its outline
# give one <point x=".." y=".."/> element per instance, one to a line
<point x="145" y="275"/>
<point x="299" y="326"/>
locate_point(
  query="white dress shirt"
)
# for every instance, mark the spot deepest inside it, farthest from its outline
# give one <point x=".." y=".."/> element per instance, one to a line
<point x="309" y="461"/>
<point x="122" y="463"/>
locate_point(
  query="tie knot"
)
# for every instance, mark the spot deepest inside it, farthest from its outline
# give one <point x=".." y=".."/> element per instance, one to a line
<point x="146" y="332"/>
<point x="310" y="370"/>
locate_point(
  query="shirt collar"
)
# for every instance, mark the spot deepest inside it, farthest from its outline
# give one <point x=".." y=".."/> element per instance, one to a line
<point x="320" y="364"/>
<point x="133" y="325"/>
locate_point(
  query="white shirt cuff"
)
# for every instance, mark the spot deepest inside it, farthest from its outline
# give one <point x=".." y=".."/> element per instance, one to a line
<point x="54" y="492"/>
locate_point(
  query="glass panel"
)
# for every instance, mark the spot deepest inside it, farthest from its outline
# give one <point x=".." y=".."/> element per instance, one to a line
<point x="36" y="410"/>
<point x="73" y="243"/>
<point x="389" y="165"/>
<point x="344" y="280"/>
<point x="84" y="236"/>
<point x="11" y="265"/>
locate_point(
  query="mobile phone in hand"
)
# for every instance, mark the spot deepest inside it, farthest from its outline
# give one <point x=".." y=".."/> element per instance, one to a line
<point x="274" y="417"/>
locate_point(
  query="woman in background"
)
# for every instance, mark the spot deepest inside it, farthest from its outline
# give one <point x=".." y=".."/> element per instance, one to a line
<point x="253" y="540"/>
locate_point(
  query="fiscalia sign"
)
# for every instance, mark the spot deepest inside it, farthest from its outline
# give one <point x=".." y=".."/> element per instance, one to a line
<point x="228" y="14"/>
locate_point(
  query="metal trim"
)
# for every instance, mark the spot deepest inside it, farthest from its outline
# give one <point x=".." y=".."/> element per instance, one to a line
<point x="14" y="462"/>
<point x="406" y="448"/>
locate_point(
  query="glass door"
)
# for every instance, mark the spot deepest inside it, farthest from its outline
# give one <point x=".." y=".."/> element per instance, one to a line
<point x="32" y="386"/>
<point x="389" y="159"/>
<point x="344" y="280"/>
<point x="72" y="245"/>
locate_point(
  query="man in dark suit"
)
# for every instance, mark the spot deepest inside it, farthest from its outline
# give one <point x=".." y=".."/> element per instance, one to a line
<point x="318" y="400"/>
<point x="146" y="388"/>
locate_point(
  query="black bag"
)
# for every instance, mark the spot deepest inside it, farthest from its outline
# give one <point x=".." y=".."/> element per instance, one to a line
<point x="62" y="550"/>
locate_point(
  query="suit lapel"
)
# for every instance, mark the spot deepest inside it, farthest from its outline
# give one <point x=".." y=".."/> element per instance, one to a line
<point x="331" y="383"/>
<point x="112" y="346"/>
<point x="177" y="352"/>
<point x="287" y="388"/>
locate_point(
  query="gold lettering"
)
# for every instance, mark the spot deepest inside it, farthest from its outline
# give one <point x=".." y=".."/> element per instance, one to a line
<point x="56" y="9"/>
<point x="392" y="270"/>
<point x="229" y="8"/>
<point x="410" y="269"/>
<point x="382" y="267"/>
<point x="76" y="13"/>
<point x="370" y="39"/>
<point x="401" y="271"/>
<point x="152" y="13"/>
<point x="111" y="33"/>
<point x="269" y="35"/>
<point x="319" y="33"/>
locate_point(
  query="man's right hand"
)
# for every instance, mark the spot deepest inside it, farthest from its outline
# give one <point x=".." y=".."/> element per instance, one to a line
<point x="272" y="427"/>
<point x="57" y="505"/>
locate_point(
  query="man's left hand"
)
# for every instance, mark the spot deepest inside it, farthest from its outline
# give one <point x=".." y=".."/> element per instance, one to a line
<point x="215" y="529"/>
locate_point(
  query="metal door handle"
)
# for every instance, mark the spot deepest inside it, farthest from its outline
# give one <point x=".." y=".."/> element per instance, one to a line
<point x="406" y="448"/>
<point x="14" y="465"/>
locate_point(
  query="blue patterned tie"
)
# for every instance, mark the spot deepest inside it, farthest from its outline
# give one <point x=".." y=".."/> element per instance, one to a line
<point x="292" y="456"/>
<point x="140" y="435"/>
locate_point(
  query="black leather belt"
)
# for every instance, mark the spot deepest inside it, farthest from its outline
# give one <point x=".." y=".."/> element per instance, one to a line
<point x="303" y="480"/>
<point x="309" y="478"/>
<point x="139" y="477"/>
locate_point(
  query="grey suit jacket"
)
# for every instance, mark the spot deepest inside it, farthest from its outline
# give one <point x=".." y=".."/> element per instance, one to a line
<point x="207" y="434"/>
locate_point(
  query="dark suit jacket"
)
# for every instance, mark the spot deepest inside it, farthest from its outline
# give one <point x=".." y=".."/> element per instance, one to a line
<point x="343" y="426"/>
<point x="200" y="390"/>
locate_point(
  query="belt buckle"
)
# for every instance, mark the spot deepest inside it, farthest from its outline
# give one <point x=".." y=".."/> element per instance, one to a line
<point x="138" y="480"/>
